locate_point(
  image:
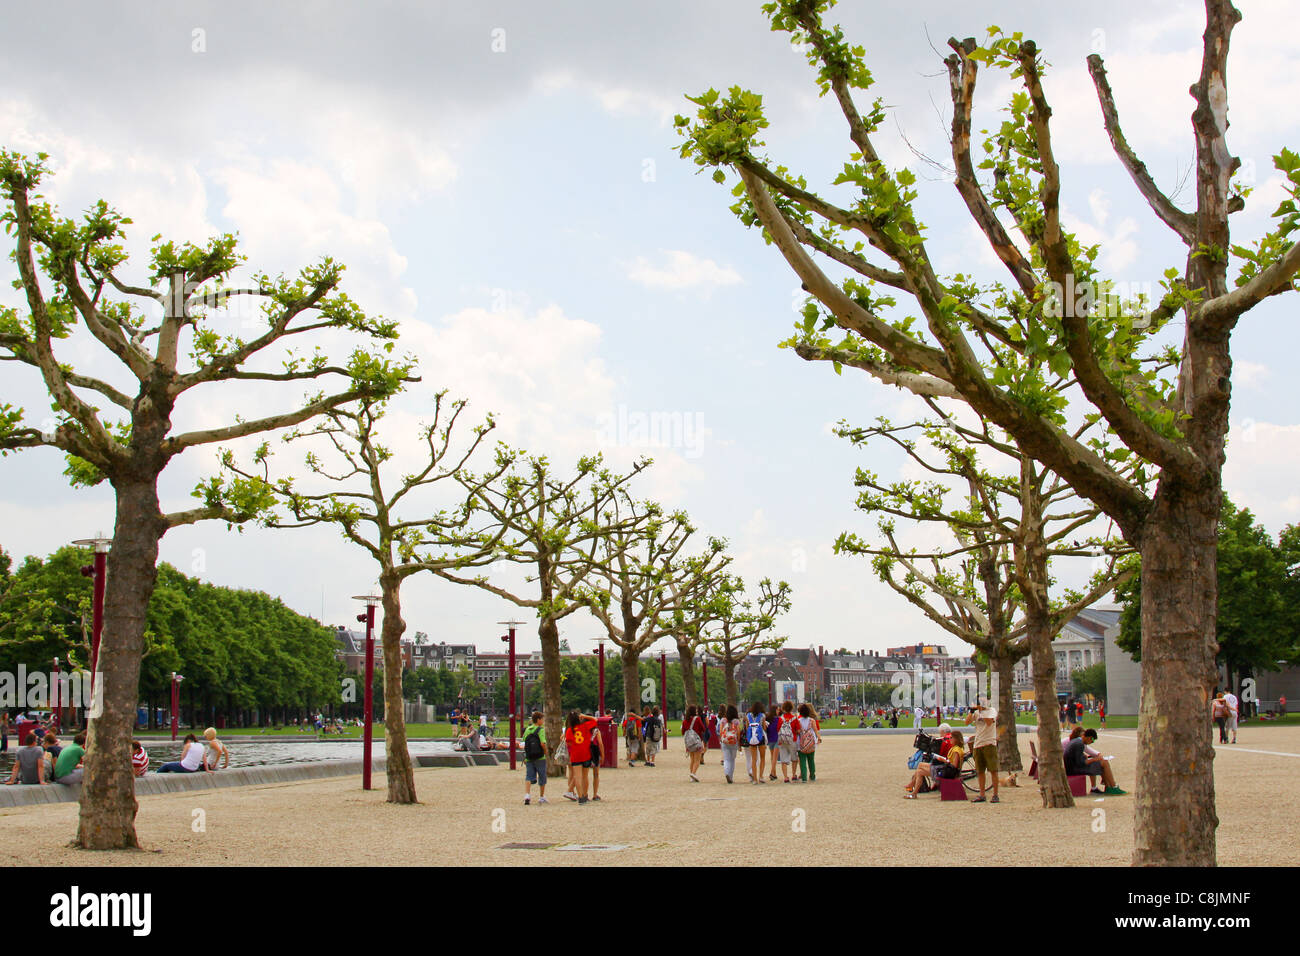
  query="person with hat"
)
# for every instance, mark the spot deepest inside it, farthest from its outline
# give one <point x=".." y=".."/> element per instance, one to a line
<point x="985" y="745"/>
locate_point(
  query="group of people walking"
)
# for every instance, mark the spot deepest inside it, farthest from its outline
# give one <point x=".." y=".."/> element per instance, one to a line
<point x="775" y="737"/>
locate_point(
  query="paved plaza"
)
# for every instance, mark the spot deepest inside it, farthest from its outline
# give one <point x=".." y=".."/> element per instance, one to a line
<point x="854" y="814"/>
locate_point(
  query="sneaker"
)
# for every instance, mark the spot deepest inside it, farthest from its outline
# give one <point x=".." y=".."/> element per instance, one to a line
<point x="527" y="800"/>
<point x="570" y="796"/>
<point x="728" y="776"/>
<point x="977" y="800"/>
<point x="1115" y="792"/>
<point x="631" y="763"/>
<point x="994" y="800"/>
<point x="1097" y="790"/>
<point x="771" y="776"/>
<point x="581" y="801"/>
<point x="595" y="798"/>
<point x="541" y="800"/>
<point x="695" y="778"/>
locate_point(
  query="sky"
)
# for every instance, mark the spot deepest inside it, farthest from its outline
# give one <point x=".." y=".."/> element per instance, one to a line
<point x="502" y="179"/>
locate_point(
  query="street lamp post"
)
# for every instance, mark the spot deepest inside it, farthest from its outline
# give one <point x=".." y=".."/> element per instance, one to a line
<point x="57" y="704"/>
<point x="600" y="682"/>
<point x="768" y="675"/>
<point x="371" y="600"/>
<point x="510" y="639"/>
<point x="704" y="672"/>
<point x="99" y="572"/>
<point x="663" y="696"/>
<point x="176" y="702"/>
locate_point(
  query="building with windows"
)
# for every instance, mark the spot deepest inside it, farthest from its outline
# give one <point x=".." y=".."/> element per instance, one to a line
<point x="1081" y="643"/>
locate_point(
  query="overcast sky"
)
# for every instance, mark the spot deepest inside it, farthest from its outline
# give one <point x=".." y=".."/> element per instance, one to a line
<point x="502" y="178"/>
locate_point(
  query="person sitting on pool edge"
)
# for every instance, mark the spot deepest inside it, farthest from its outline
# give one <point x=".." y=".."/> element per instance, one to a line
<point x="1079" y="761"/>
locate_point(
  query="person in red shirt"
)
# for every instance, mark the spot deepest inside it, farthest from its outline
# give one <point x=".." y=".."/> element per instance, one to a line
<point x="139" y="759"/>
<point x="581" y="728"/>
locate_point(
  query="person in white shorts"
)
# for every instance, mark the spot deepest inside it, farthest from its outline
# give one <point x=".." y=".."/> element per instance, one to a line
<point x="1231" y="700"/>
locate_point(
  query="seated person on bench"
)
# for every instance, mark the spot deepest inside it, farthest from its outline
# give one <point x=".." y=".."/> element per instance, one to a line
<point x="1078" y="761"/>
<point x="941" y="766"/>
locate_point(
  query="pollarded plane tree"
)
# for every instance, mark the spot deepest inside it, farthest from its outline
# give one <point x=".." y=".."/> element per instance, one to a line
<point x="164" y="337"/>
<point x="639" y="576"/>
<point x="1058" y="307"/>
<point x="554" y="524"/>
<point x="991" y="587"/>
<point x="393" y="518"/>
<point x="735" y="624"/>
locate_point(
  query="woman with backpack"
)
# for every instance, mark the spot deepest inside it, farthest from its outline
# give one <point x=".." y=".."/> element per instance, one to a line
<point x="773" y="727"/>
<point x="693" y="735"/>
<point x="785" y="741"/>
<point x="756" y="742"/>
<point x="729" y="736"/>
<point x="809" y="736"/>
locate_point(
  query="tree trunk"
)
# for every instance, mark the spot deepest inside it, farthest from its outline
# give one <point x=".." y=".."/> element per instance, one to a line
<point x="733" y="692"/>
<point x="630" y="658"/>
<point x="1052" y="782"/>
<point x="687" y="664"/>
<point x="401" y="775"/>
<point x="549" y="633"/>
<point x="108" y="804"/>
<point x="1175" y="818"/>
<point x="1008" y="744"/>
<point x="632" y="689"/>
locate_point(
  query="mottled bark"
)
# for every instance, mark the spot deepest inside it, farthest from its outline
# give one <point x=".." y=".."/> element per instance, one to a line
<point x="108" y="802"/>
<point x="401" y="774"/>
<point x="1008" y="744"/>
<point x="549" y="634"/>
<point x="629" y="658"/>
<point x="685" y="656"/>
<point x="1052" y="783"/>
<point x="1175" y="817"/>
<point x="733" y="691"/>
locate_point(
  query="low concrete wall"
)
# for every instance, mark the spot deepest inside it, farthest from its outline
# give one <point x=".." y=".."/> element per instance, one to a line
<point x="21" y="795"/>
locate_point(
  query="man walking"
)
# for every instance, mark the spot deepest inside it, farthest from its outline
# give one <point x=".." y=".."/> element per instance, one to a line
<point x="1231" y="700"/>
<point x="985" y="745"/>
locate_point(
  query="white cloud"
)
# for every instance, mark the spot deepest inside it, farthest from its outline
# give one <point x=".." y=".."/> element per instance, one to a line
<point x="616" y="100"/>
<point x="1259" y="474"/>
<point x="682" y="270"/>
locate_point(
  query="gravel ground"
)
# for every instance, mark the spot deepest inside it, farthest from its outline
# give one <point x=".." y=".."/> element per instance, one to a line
<point x="854" y="814"/>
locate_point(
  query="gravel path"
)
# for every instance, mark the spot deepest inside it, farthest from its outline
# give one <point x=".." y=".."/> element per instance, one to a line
<point x="854" y="814"/>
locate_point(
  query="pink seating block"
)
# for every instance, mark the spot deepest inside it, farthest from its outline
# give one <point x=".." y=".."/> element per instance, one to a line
<point x="951" y="789"/>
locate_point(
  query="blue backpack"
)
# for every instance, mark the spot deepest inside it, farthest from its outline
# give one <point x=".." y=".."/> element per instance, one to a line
<point x="914" y="761"/>
<point x="755" y="735"/>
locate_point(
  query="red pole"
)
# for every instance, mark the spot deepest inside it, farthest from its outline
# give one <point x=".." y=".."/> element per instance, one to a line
<point x="56" y="704"/>
<point x="511" y="639"/>
<point x="176" y="702"/>
<point x="663" y="696"/>
<point x="600" y="704"/>
<point x="704" y="668"/>
<point x="97" y="626"/>
<point x="769" y="693"/>
<point x="370" y="696"/>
